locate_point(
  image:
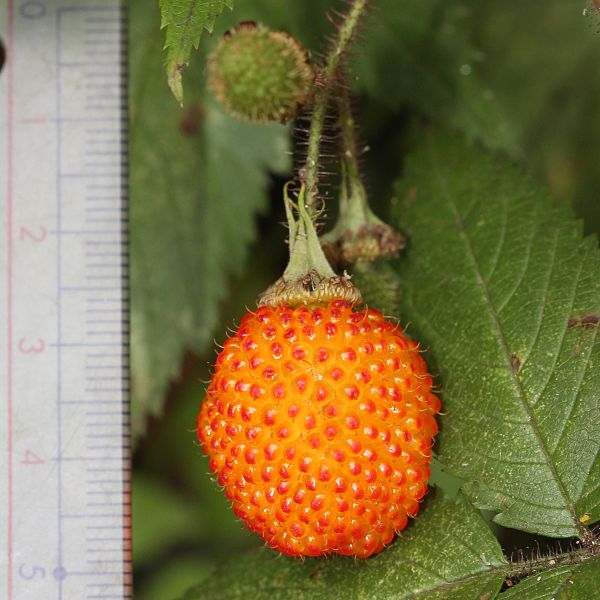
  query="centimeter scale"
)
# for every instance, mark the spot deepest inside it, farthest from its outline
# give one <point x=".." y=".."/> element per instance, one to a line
<point x="64" y="386"/>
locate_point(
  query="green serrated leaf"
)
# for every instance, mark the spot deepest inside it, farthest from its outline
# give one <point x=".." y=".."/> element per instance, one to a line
<point x="448" y="553"/>
<point x="198" y="180"/>
<point x="575" y="582"/>
<point x="502" y="288"/>
<point x="185" y="20"/>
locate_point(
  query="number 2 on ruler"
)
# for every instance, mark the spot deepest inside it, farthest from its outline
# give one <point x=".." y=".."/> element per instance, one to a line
<point x="39" y="236"/>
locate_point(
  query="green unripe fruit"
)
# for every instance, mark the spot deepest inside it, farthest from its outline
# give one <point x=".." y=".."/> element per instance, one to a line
<point x="260" y="75"/>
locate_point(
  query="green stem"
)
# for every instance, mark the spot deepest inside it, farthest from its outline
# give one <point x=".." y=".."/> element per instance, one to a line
<point x="514" y="572"/>
<point x="355" y="211"/>
<point x="358" y="234"/>
<point x="308" y="279"/>
<point x="306" y="254"/>
<point x="322" y="93"/>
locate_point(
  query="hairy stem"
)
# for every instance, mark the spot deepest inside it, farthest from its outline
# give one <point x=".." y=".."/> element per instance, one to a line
<point x="326" y="79"/>
<point x="524" y="567"/>
<point x="359" y="234"/>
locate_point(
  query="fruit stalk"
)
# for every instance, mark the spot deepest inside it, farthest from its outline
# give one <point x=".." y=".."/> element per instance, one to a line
<point x="326" y="78"/>
<point x="359" y="234"/>
<point x="308" y="278"/>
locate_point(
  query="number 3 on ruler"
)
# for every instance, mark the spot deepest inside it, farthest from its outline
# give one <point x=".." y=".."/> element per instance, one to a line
<point x="25" y="348"/>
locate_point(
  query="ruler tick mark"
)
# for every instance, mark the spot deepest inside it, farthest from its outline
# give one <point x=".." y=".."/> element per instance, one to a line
<point x="93" y="402"/>
<point x="102" y="481"/>
<point x="97" y="107"/>
<point x="101" y="30"/>
<point x="93" y="63"/>
<point x="103" y="469"/>
<point x="101" y="20"/>
<point x="101" y="152"/>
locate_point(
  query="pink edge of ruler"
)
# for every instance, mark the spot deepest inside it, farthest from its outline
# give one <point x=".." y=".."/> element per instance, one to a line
<point x="65" y="510"/>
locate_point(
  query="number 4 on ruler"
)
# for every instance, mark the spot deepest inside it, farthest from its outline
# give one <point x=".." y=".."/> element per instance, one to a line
<point x="31" y="458"/>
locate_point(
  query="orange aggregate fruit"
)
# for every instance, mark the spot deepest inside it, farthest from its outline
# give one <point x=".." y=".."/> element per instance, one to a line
<point x="319" y="425"/>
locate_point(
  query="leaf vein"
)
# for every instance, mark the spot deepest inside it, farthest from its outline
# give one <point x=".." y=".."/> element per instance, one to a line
<point x="519" y="281"/>
<point x="543" y="308"/>
<point x="501" y="241"/>
<point x="584" y="370"/>
<point x="560" y="345"/>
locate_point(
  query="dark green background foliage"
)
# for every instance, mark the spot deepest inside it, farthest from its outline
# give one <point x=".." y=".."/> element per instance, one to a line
<point x="483" y="127"/>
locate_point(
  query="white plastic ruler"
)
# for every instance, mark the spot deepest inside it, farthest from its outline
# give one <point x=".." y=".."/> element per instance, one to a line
<point x="64" y="386"/>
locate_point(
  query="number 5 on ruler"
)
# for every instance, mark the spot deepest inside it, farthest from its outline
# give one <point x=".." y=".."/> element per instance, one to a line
<point x="31" y="572"/>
